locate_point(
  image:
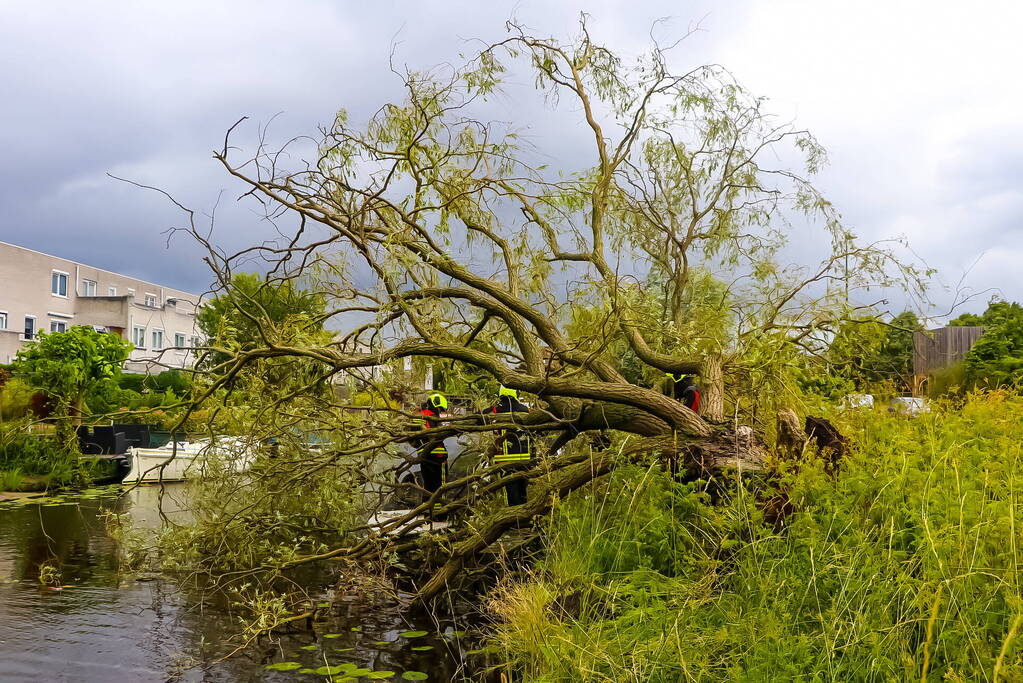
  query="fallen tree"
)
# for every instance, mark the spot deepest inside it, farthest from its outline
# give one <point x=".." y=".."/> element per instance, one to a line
<point x="448" y="242"/>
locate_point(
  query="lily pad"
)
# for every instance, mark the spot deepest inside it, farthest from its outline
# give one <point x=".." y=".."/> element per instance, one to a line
<point x="356" y="673"/>
<point x="310" y="647"/>
<point x="414" y="676"/>
<point x="307" y="671"/>
<point x="422" y="648"/>
<point x="323" y="604"/>
<point x="413" y="634"/>
<point x="382" y="643"/>
<point x="283" y="666"/>
<point x="356" y="628"/>
<point x="343" y="649"/>
<point x="377" y="675"/>
<point x="331" y="670"/>
<point x="331" y="635"/>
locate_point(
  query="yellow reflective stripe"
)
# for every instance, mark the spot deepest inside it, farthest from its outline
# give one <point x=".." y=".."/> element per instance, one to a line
<point x="508" y="457"/>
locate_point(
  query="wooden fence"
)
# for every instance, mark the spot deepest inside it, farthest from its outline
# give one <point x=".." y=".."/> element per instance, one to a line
<point x="936" y="349"/>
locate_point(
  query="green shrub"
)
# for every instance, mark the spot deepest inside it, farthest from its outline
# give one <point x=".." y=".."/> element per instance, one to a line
<point x="25" y="452"/>
<point x="175" y="381"/>
<point x="11" y="480"/>
<point x="947" y="381"/>
<point x="15" y="399"/>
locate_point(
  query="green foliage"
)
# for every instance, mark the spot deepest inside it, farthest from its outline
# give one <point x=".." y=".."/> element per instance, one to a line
<point x="11" y="480"/>
<point x="868" y="354"/>
<point x="139" y="394"/>
<point x="948" y="381"/>
<point x="28" y="453"/>
<point x="174" y="380"/>
<point x="997" y="311"/>
<point x="66" y="365"/>
<point x="287" y="505"/>
<point x="699" y="322"/>
<point x="909" y="555"/>
<point x="997" y="357"/>
<point x="252" y="310"/>
<point x="15" y="399"/>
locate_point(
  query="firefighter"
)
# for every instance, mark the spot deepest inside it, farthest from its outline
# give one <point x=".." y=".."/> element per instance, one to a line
<point x="512" y="448"/>
<point x="683" y="388"/>
<point x="433" y="454"/>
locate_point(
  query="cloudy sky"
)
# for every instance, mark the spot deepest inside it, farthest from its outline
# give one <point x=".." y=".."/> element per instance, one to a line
<point x="918" y="103"/>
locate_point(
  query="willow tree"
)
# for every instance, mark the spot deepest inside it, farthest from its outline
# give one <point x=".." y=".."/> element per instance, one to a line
<point x="447" y="236"/>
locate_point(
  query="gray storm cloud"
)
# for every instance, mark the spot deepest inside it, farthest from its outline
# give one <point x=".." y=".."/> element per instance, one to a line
<point x="918" y="105"/>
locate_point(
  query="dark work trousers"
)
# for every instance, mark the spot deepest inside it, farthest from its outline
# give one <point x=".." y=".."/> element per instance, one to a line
<point x="433" y="473"/>
<point x="516" y="488"/>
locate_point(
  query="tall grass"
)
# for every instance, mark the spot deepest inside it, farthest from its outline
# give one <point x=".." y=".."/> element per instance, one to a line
<point x="11" y="480"/>
<point x="903" y="566"/>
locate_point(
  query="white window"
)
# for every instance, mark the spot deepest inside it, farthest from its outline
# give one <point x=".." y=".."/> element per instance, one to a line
<point x="194" y="342"/>
<point x="138" y="337"/>
<point x="3" y="320"/>
<point x="179" y="341"/>
<point x="157" y="340"/>
<point x="30" y="326"/>
<point x="58" y="326"/>
<point x="150" y="300"/>
<point x="88" y="288"/>
<point x="111" y="291"/>
<point x="58" y="283"/>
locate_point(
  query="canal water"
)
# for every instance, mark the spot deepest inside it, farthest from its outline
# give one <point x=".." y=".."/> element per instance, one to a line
<point x="67" y="613"/>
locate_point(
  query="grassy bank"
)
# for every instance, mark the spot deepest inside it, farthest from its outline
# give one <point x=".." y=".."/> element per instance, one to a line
<point x="904" y="566"/>
<point x="27" y="461"/>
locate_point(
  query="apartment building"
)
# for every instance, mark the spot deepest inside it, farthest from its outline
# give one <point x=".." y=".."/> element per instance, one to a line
<point x="44" y="293"/>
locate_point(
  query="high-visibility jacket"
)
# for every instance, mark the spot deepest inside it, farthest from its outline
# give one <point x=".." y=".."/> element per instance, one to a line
<point x="515" y="443"/>
<point x="436" y="448"/>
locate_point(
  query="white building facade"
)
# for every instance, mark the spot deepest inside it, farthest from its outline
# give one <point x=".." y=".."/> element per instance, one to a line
<point x="44" y="293"/>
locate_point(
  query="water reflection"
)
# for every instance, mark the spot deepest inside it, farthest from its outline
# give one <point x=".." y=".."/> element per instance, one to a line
<point x="101" y="625"/>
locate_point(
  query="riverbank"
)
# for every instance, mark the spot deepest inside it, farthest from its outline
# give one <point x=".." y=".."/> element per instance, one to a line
<point x="25" y="483"/>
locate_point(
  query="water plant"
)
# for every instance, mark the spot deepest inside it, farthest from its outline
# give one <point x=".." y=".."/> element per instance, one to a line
<point x="11" y="480"/>
<point x="49" y="575"/>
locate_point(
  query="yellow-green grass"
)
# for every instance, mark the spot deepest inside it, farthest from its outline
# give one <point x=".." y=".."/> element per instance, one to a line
<point x="903" y="566"/>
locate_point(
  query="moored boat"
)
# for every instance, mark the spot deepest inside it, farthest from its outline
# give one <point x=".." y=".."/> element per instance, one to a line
<point x="181" y="460"/>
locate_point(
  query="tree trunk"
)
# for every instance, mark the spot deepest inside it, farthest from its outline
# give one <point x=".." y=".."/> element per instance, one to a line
<point x="712" y="403"/>
<point x="789" y="436"/>
<point x="719" y="454"/>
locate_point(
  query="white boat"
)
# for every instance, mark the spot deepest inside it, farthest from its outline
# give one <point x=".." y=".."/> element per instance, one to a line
<point x="182" y="460"/>
<point x="384" y="517"/>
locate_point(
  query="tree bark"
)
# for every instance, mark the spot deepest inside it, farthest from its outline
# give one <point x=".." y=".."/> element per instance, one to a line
<point x="712" y="404"/>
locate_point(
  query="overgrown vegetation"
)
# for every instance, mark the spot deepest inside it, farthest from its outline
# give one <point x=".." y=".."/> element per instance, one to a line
<point x="31" y="453"/>
<point x="69" y="366"/>
<point x="996" y="360"/>
<point x="443" y="245"/>
<point x="903" y="566"/>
